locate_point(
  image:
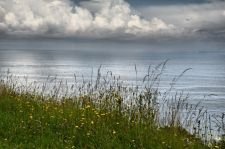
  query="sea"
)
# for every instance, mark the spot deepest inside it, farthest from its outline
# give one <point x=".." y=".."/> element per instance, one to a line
<point x="38" y="58"/>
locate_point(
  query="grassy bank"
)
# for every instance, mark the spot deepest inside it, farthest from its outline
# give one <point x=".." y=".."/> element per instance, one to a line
<point x="101" y="113"/>
<point x="29" y="122"/>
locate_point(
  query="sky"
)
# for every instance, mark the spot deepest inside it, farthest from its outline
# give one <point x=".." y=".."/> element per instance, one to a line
<point x="113" y="19"/>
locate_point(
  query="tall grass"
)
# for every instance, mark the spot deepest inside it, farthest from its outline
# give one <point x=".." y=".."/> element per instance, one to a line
<point x="101" y="113"/>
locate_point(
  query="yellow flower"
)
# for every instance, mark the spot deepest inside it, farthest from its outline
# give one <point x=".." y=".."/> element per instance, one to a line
<point x="88" y="106"/>
<point x="210" y="145"/>
<point x="114" y="132"/>
<point x="31" y="117"/>
<point x="92" y="122"/>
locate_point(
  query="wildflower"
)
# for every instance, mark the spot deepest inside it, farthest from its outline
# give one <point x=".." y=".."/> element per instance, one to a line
<point x="76" y="126"/>
<point x="218" y="139"/>
<point x="88" y="134"/>
<point x="103" y="114"/>
<point x="88" y="106"/>
<point x="117" y="123"/>
<point x="31" y="117"/>
<point x="210" y="145"/>
<point x="92" y="122"/>
<point x="114" y="132"/>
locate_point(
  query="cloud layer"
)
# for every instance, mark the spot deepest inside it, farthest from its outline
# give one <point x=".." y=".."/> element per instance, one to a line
<point x="204" y="20"/>
<point x="94" y="19"/>
<point x="111" y="19"/>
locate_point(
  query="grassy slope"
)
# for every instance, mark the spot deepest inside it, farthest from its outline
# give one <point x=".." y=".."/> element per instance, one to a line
<point x="27" y="122"/>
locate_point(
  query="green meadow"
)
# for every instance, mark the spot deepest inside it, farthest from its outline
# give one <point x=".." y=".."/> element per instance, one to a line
<point x="98" y="116"/>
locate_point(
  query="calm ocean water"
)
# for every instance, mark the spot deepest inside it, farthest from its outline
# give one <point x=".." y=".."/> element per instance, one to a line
<point x="38" y="59"/>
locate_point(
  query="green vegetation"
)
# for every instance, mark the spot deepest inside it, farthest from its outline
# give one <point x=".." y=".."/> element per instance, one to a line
<point x="104" y="114"/>
<point x="28" y="122"/>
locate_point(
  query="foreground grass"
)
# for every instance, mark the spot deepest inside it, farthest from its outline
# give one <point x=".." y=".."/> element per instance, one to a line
<point x="29" y="122"/>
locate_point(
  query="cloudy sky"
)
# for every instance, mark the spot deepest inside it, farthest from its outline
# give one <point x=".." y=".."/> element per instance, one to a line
<point x="113" y="19"/>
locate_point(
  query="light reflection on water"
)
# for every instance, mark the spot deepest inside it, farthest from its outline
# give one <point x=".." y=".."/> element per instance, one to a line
<point x="38" y="59"/>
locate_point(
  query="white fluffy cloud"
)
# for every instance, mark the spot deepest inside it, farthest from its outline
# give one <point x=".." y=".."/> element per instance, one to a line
<point x="96" y="18"/>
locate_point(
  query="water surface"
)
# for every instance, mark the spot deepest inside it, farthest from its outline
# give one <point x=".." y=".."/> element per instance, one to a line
<point x="38" y="59"/>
